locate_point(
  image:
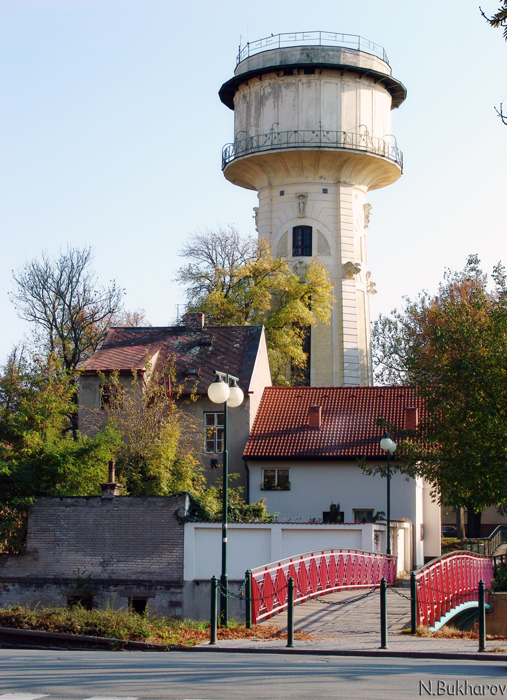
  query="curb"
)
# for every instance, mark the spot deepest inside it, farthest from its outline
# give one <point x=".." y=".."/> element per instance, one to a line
<point x="17" y="637"/>
<point x="378" y="653"/>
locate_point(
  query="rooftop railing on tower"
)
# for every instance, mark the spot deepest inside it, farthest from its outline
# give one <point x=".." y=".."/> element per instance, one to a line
<point x="279" y="41"/>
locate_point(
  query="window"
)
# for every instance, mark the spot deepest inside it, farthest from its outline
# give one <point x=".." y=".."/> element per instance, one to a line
<point x="362" y="515"/>
<point x="301" y="241"/>
<point x="275" y="480"/>
<point x="214" y="432"/>
<point x="111" y="397"/>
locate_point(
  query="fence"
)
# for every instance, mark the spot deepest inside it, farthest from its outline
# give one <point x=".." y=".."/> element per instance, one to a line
<point x="448" y="582"/>
<point x="315" y="574"/>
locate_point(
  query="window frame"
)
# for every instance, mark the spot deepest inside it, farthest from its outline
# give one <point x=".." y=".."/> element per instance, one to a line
<point x="302" y="247"/>
<point x="276" y="486"/>
<point x="211" y="432"/>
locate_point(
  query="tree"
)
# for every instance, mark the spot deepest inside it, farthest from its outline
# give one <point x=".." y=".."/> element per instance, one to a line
<point x="157" y="455"/>
<point x="499" y="20"/>
<point x="452" y="347"/>
<point x="236" y="281"/>
<point x="38" y="455"/>
<point x="70" y="314"/>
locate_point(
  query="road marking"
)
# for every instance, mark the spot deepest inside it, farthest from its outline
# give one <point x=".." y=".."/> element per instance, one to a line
<point x="108" y="697"/>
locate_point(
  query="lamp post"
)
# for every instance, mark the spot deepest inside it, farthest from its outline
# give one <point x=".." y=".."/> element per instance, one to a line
<point x="220" y="391"/>
<point x="389" y="446"/>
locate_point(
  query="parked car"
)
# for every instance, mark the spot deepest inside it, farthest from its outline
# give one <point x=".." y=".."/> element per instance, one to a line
<point x="449" y="531"/>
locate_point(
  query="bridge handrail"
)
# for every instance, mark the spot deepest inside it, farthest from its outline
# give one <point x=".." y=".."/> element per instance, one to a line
<point x="449" y="581"/>
<point x="487" y="545"/>
<point x="316" y="574"/>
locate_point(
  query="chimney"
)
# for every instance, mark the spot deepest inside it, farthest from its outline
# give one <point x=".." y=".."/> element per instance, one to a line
<point x="194" y="321"/>
<point x="111" y="489"/>
<point x="315" y="416"/>
<point x="411" y="418"/>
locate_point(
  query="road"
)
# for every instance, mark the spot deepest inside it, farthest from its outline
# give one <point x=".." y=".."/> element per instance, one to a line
<point x="80" y="675"/>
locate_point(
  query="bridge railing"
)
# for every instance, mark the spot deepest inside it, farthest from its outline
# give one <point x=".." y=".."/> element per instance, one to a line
<point x="448" y="582"/>
<point x="487" y="545"/>
<point x="316" y="574"/>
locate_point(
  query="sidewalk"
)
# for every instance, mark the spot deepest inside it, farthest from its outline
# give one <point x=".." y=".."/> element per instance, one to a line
<point x="354" y="629"/>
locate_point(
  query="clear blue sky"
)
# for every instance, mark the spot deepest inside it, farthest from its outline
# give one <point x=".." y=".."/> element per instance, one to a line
<point x="111" y="133"/>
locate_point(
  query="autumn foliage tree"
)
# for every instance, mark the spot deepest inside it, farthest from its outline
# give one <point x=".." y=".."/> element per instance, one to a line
<point x="236" y="281"/>
<point x="452" y="347"/>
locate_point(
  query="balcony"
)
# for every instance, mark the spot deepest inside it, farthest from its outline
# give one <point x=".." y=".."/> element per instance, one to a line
<point x="311" y="139"/>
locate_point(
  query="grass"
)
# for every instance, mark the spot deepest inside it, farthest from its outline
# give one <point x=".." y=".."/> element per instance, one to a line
<point x="129" y="626"/>
<point x="451" y="544"/>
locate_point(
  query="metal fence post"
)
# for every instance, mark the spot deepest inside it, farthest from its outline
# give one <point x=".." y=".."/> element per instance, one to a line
<point x="248" y="601"/>
<point x="290" y="613"/>
<point x="482" y="616"/>
<point x="383" y="614"/>
<point x="413" y="603"/>
<point x="214" y="611"/>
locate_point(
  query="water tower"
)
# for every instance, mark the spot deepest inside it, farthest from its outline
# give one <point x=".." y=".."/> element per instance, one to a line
<point x="312" y="135"/>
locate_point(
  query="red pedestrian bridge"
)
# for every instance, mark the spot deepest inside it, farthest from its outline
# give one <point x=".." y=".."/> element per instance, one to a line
<point x="449" y="585"/>
<point x="445" y="587"/>
<point x="316" y="574"/>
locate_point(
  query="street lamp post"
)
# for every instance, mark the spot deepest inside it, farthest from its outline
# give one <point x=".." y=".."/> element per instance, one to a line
<point x="388" y="445"/>
<point x="220" y="391"/>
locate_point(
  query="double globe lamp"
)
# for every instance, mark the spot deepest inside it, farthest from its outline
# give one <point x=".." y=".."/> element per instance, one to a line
<point x="225" y="390"/>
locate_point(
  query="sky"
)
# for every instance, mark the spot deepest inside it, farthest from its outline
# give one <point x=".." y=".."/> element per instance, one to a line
<point x="111" y="132"/>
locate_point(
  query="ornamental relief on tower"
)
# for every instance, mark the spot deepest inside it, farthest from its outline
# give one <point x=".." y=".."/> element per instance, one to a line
<point x="351" y="269"/>
<point x="282" y="248"/>
<point x="322" y="245"/>
<point x="370" y="286"/>
<point x="302" y="198"/>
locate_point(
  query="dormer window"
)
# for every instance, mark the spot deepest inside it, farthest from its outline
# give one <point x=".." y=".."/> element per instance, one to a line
<point x="301" y="241"/>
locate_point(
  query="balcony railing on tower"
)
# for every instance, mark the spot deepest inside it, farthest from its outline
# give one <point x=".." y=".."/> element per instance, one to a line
<point x="311" y="138"/>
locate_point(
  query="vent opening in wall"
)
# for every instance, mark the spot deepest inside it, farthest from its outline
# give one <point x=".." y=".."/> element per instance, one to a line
<point x="138" y="605"/>
<point x="301" y="241"/>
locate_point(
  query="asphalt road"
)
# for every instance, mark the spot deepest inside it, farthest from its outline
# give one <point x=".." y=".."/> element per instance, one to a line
<point x="80" y="675"/>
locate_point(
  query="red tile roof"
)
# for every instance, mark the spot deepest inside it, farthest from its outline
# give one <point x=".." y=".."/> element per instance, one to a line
<point x="195" y="355"/>
<point x="348" y="428"/>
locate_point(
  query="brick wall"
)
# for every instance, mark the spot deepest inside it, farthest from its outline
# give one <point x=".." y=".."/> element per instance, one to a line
<point x="128" y="546"/>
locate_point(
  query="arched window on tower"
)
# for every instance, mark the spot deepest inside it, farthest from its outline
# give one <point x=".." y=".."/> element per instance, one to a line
<point x="301" y="241"/>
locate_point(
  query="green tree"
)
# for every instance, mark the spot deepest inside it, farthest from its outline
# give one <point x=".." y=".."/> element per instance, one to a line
<point x="157" y="455"/>
<point x="452" y="347"/>
<point x="236" y="281"/>
<point x="38" y="455"/>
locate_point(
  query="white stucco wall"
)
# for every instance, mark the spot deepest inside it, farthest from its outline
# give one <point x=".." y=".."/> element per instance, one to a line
<point x="314" y="486"/>
<point x="252" y="545"/>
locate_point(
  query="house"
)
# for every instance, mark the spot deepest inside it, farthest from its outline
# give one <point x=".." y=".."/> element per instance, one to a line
<point x="305" y="453"/>
<point x="186" y="357"/>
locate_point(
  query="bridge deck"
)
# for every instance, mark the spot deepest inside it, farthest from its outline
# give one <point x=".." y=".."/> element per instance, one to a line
<point x="360" y="617"/>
